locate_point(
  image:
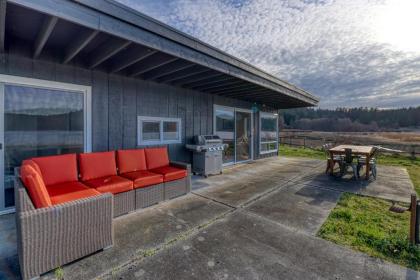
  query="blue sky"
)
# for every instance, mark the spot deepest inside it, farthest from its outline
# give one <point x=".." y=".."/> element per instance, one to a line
<point x="350" y="53"/>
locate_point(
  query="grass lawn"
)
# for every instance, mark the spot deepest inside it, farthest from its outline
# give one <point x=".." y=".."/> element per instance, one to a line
<point x="365" y="223"/>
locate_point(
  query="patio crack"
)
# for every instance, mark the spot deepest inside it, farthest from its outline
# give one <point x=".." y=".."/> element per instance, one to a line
<point x="214" y="200"/>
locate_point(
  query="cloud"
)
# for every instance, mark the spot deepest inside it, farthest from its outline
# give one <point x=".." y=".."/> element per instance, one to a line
<point x="327" y="47"/>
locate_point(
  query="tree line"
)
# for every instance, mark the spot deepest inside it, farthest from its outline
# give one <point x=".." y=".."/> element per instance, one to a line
<point x="351" y="119"/>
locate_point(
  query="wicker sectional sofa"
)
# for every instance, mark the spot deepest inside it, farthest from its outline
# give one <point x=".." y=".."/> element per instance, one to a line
<point x="65" y="204"/>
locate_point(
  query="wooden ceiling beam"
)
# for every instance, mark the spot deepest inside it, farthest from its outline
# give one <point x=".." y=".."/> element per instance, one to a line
<point x="107" y="51"/>
<point x="232" y="93"/>
<point x="79" y="44"/>
<point x="152" y="64"/>
<point x="206" y="81"/>
<point x="168" y="69"/>
<point x="191" y="72"/>
<point x="218" y="85"/>
<point x="131" y="60"/>
<point x="234" y="88"/>
<point x="43" y="34"/>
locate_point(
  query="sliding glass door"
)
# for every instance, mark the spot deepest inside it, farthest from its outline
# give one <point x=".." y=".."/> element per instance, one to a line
<point x="235" y="127"/>
<point x="243" y="135"/>
<point x="39" y="118"/>
<point x="225" y="128"/>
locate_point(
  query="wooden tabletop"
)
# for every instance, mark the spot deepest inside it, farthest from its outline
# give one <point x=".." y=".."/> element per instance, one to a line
<point x="364" y="150"/>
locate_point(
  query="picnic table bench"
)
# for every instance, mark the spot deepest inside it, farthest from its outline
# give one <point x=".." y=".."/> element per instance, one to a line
<point x="356" y="150"/>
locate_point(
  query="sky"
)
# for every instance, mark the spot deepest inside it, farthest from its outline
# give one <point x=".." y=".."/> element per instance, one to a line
<point x="350" y="53"/>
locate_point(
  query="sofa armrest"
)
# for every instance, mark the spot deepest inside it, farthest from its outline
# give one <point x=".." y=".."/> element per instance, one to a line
<point x="53" y="236"/>
<point x="186" y="166"/>
<point x="183" y="165"/>
<point x="22" y="199"/>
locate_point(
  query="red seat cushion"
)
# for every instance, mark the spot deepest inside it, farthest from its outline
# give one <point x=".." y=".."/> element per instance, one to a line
<point x="131" y="160"/>
<point x="170" y="173"/>
<point x="33" y="182"/>
<point x="156" y="157"/>
<point x="69" y="191"/>
<point x="112" y="184"/>
<point x="57" y="169"/>
<point x="143" y="178"/>
<point x="97" y="165"/>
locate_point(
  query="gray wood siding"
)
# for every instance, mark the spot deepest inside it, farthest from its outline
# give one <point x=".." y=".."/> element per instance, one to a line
<point x="118" y="100"/>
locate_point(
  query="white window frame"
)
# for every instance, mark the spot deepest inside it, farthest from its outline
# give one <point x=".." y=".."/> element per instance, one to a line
<point x="141" y="119"/>
<point x="273" y="116"/>
<point x="44" y="84"/>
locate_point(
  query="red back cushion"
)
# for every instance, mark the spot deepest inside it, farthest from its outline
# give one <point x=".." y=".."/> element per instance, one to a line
<point x="131" y="160"/>
<point x="156" y="157"/>
<point x="57" y="169"/>
<point x="35" y="185"/>
<point x="96" y="165"/>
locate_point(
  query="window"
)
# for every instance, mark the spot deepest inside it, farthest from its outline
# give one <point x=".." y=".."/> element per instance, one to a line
<point x="39" y="118"/>
<point x="268" y="133"/>
<point x="155" y="130"/>
<point x="150" y="131"/>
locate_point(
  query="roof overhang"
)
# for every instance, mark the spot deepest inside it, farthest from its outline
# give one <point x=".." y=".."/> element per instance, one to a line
<point x="110" y="37"/>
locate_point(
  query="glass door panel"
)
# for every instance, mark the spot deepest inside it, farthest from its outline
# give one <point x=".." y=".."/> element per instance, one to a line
<point x="38" y="122"/>
<point x="225" y="129"/>
<point x="243" y="138"/>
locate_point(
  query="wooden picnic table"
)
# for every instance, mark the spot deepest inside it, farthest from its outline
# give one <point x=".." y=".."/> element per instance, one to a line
<point x="356" y="150"/>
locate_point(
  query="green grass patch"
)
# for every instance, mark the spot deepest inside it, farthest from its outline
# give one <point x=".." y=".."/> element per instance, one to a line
<point x="412" y="165"/>
<point x="366" y="224"/>
<point x="285" y="150"/>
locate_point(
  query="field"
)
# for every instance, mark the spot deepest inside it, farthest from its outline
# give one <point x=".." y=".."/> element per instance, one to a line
<point x="408" y="142"/>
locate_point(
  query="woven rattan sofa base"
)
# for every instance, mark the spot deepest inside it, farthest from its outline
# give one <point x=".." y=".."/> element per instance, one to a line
<point x="149" y="195"/>
<point x="51" y="237"/>
<point x="124" y="203"/>
<point x="176" y="188"/>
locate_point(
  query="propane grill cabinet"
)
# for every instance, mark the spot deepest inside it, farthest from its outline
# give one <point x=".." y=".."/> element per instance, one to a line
<point x="207" y="154"/>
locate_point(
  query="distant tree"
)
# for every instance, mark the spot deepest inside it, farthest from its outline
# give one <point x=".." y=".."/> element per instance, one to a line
<point x="351" y="119"/>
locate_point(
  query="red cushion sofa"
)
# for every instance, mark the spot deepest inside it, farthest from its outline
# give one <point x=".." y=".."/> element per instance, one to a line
<point x="59" y="198"/>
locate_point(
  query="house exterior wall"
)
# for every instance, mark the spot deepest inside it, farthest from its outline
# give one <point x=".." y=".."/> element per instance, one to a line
<point x="118" y="100"/>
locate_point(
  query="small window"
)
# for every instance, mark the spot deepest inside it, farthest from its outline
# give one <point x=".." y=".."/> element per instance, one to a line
<point x="268" y="133"/>
<point x="152" y="130"/>
<point x="170" y="130"/>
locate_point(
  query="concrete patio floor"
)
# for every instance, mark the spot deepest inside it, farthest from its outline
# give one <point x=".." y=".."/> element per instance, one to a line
<point x="256" y="221"/>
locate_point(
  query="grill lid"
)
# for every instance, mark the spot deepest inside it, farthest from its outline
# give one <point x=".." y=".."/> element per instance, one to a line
<point x="207" y="140"/>
<point x="202" y="143"/>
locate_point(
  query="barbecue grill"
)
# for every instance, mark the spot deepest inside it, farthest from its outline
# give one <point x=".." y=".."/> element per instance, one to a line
<point x="207" y="154"/>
